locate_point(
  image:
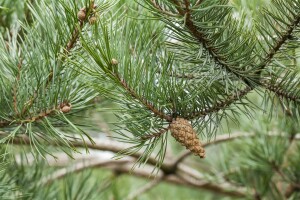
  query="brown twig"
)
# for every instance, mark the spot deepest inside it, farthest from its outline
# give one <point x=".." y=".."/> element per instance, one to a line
<point x="34" y="117"/>
<point x="281" y="93"/>
<point x="166" y="166"/>
<point x="155" y="135"/>
<point x="282" y="40"/>
<point x="119" y="166"/>
<point x="198" y="3"/>
<point x="145" y="188"/>
<point x="39" y="116"/>
<point x="236" y="192"/>
<point x="226" y="138"/>
<point x="113" y="146"/>
<point x="161" y="10"/>
<point x="187" y="6"/>
<point x="80" y="166"/>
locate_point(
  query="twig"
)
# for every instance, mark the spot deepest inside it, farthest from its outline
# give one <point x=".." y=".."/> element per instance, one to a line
<point x="198" y="3"/>
<point x="145" y="102"/>
<point x="220" y="105"/>
<point x="145" y="188"/>
<point x="147" y="172"/>
<point x="113" y="146"/>
<point x="71" y="43"/>
<point x="234" y="192"/>
<point x="281" y="93"/>
<point x="207" y="44"/>
<point x="33" y="117"/>
<point x="200" y="36"/>
<point x="80" y="166"/>
<point x="187" y="6"/>
<point x="169" y="166"/>
<point x="277" y="168"/>
<point x="155" y="135"/>
<point x="282" y="40"/>
<point x="161" y="10"/>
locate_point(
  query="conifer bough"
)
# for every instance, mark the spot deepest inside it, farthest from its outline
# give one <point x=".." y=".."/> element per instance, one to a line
<point x="198" y="62"/>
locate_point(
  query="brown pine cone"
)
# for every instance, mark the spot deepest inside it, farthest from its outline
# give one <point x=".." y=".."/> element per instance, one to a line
<point x="184" y="133"/>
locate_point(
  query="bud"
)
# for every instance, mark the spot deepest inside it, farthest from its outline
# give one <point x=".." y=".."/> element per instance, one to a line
<point x="114" y="61"/>
<point x="81" y="15"/>
<point x="65" y="108"/>
<point x="92" y="20"/>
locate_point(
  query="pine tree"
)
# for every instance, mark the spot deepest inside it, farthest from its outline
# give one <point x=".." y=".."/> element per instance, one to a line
<point x="219" y="78"/>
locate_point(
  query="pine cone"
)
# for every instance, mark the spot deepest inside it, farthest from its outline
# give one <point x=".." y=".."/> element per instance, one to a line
<point x="65" y="108"/>
<point x="184" y="133"/>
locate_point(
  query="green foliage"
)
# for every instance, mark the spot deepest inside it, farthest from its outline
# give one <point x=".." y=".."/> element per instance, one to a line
<point x="154" y="61"/>
<point x="199" y="65"/>
<point x="37" y="82"/>
<point x="26" y="182"/>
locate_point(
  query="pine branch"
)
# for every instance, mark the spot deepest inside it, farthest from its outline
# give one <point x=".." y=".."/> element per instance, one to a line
<point x="160" y="9"/>
<point x="207" y="44"/>
<point x="277" y="168"/>
<point x="224" y="138"/>
<point x="70" y="45"/>
<point x="123" y="167"/>
<point x="155" y="135"/>
<point x="80" y="166"/>
<point x="64" y="107"/>
<point x="198" y="3"/>
<point x="145" y="188"/>
<point x="221" y="105"/>
<point x="113" y="146"/>
<point x="189" y="24"/>
<point x="167" y="166"/>
<point x="145" y="102"/>
<point x="286" y="35"/>
<point x="281" y="93"/>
